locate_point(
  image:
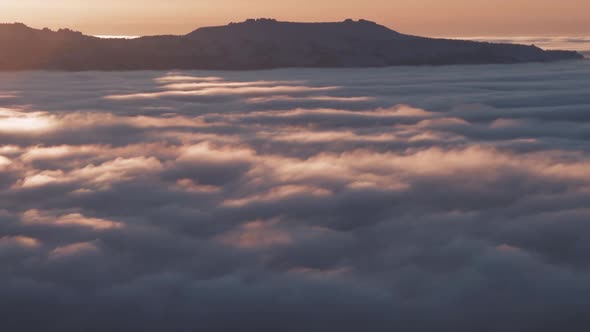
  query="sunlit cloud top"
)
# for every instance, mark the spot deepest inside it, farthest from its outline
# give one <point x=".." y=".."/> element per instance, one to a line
<point x="384" y="199"/>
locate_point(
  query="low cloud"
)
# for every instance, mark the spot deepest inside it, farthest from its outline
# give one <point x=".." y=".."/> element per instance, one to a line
<point x="412" y="199"/>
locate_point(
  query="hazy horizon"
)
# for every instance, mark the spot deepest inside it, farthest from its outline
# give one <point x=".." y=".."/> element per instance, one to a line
<point x="422" y="17"/>
<point x="458" y="35"/>
<point x="474" y="36"/>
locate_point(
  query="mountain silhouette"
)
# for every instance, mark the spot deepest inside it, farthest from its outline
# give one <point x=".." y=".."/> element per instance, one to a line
<point x="254" y="44"/>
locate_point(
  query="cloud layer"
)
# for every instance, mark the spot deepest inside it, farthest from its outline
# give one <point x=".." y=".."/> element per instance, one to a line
<point x="413" y="199"/>
<point x="580" y="44"/>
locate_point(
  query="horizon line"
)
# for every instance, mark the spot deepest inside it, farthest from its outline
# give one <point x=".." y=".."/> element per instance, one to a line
<point x="451" y="36"/>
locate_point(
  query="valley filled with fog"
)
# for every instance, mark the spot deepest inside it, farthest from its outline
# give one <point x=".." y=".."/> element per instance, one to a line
<point x="419" y="198"/>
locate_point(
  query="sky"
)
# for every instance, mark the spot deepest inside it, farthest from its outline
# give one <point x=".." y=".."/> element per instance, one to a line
<point x="424" y="17"/>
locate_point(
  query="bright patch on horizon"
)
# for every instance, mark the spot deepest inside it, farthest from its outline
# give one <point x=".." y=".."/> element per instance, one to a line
<point x="116" y="37"/>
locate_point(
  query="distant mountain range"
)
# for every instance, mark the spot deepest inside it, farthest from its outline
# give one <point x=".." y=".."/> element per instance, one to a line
<point x="254" y="44"/>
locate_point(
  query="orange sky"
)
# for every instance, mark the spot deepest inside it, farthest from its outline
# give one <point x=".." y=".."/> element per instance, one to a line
<point x="424" y="17"/>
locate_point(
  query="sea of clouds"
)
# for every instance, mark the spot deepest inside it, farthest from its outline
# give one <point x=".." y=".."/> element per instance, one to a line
<point x="580" y="44"/>
<point x="400" y="199"/>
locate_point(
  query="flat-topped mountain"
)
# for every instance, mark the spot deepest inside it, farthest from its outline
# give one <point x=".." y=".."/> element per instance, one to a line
<point x="273" y="30"/>
<point x="254" y="44"/>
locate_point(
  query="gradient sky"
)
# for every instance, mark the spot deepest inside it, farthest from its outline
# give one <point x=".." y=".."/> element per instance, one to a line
<point x="425" y="17"/>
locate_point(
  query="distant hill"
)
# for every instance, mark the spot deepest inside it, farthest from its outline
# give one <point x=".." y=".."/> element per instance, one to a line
<point x="254" y="44"/>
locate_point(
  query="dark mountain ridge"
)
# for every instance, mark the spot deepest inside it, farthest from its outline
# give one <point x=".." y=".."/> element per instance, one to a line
<point x="254" y="44"/>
